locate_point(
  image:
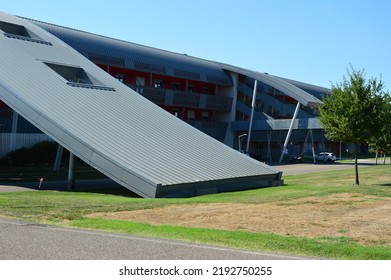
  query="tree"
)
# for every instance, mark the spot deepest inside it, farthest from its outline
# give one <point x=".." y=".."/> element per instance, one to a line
<point x="351" y="112"/>
<point x="381" y="142"/>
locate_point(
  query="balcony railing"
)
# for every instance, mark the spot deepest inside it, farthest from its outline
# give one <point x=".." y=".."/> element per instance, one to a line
<point x="307" y="123"/>
<point x="170" y="97"/>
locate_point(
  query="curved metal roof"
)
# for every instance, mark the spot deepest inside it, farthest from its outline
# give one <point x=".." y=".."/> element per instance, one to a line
<point x="105" y="50"/>
<point x="289" y="89"/>
<point x="110" y="126"/>
<point x="317" y="91"/>
<point x="138" y="57"/>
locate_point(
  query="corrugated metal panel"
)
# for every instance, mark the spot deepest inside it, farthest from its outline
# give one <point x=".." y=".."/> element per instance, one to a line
<point x="119" y="132"/>
<point x="270" y="124"/>
<point x="174" y="64"/>
<point x="317" y="91"/>
<point x="283" y="85"/>
<point x="177" y="64"/>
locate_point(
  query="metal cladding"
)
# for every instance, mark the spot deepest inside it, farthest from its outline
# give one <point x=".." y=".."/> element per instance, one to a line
<point x="111" y="127"/>
<point x="114" y="52"/>
<point x="130" y="55"/>
<point x="286" y="86"/>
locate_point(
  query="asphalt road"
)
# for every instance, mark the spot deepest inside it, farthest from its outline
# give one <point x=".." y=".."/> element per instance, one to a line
<point x="25" y="241"/>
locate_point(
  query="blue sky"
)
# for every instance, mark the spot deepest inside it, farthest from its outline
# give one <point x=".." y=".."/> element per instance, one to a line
<point x="309" y="41"/>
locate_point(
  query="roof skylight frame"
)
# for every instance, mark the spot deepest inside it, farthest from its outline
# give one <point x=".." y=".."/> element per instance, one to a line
<point x="20" y="32"/>
<point x="76" y="76"/>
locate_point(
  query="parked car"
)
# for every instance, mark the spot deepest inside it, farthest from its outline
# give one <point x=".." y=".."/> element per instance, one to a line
<point x="326" y="157"/>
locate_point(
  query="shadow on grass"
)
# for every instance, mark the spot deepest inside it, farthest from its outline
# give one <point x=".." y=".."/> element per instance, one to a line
<point x="104" y="186"/>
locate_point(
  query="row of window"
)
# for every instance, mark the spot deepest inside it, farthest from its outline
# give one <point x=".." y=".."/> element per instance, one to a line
<point x="175" y="86"/>
<point x="157" y="83"/>
<point x="183" y="114"/>
<point x="191" y="115"/>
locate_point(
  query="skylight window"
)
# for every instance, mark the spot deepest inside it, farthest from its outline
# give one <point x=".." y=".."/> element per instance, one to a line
<point x="77" y="76"/>
<point x="71" y="74"/>
<point x="20" y="32"/>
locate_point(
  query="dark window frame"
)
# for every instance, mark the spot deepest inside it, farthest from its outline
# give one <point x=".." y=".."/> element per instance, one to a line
<point x="77" y="76"/>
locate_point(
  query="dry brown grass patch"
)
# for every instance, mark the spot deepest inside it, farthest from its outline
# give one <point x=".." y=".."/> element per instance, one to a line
<point x="363" y="218"/>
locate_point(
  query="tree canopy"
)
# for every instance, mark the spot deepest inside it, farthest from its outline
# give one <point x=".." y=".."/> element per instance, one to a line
<point x="381" y="142"/>
<point x="354" y="110"/>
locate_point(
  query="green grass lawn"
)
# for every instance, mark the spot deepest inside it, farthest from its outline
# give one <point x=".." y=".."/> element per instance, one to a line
<point x="70" y="208"/>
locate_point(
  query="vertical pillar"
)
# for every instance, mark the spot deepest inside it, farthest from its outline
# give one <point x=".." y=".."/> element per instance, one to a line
<point x="269" y="150"/>
<point x="240" y="141"/>
<point x="57" y="161"/>
<point x="14" y="130"/>
<point x="252" y="116"/>
<point x="323" y="143"/>
<point x="340" y="151"/>
<point x="313" y="147"/>
<point x="71" y="172"/>
<point x="288" y="136"/>
<point x="305" y="142"/>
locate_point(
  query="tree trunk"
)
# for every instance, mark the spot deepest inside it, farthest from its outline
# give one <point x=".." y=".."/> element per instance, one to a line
<point x="377" y="155"/>
<point x="357" y="182"/>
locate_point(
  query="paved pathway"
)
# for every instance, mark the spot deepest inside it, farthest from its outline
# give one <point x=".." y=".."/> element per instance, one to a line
<point x="22" y="240"/>
<point x="303" y="168"/>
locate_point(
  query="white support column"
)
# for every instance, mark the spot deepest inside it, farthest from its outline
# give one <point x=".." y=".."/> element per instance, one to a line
<point x="313" y="147"/>
<point x="252" y="116"/>
<point x="71" y="172"/>
<point x="57" y="161"/>
<point x="240" y="141"/>
<point x="305" y="142"/>
<point x="288" y="136"/>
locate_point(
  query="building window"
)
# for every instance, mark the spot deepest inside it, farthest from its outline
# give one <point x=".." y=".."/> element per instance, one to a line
<point x="158" y="84"/>
<point x="77" y="77"/>
<point x="140" y="84"/>
<point x="190" y="88"/>
<point x="71" y="74"/>
<point x="205" y="90"/>
<point x="175" y="86"/>
<point x="175" y="113"/>
<point x="190" y="115"/>
<point x="269" y="110"/>
<point x="20" y="32"/>
<point x="259" y="105"/>
<point x="205" y="116"/>
<point x="120" y="77"/>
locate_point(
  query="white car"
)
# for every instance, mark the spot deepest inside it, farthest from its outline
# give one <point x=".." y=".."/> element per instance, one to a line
<point x="326" y="157"/>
